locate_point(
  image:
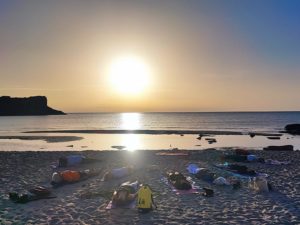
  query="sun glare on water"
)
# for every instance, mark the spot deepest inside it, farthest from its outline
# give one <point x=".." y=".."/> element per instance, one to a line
<point x="129" y="75"/>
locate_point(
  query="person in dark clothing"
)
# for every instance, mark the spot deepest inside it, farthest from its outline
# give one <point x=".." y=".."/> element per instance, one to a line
<point x="125" y="194"/>
<point x="206" y="175"/>
<point x="179" y="181"/>
<point x="33" y="194"/>
<point x="240" y="169"/>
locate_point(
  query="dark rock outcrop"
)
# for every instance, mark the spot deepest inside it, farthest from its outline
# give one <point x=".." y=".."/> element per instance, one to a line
<point x="293" y="128"/>
<point x="280" y="148"/>
<point x="36" y="105"/>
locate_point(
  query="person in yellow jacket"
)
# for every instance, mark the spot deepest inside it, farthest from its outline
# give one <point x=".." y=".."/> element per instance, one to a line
<point x="145" y="199"/>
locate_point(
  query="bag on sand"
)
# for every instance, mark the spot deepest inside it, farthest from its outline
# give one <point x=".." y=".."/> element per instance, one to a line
<point x="145" y="197"/>
<point x="259" y="184"/>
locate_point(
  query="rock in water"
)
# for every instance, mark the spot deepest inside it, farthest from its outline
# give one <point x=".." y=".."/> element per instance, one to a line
<point x="280" y="148"/>
<point x="293" y="128"/>
<point x="36" y="105"/>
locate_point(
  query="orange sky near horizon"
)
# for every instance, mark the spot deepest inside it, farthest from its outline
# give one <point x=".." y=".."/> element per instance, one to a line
<point x="200" y="59"/>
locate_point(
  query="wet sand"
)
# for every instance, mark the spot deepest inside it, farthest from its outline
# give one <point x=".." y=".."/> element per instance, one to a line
<point x="158" y="132"/>
<point x="48" y="139"/>
<point x="85" y="202"/>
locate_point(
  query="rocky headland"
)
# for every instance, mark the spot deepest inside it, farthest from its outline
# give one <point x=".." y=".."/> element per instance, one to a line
<point x="36" y="105"/>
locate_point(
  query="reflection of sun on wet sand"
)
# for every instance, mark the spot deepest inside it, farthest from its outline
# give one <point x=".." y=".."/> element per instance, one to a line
<point x="85" y="202"/>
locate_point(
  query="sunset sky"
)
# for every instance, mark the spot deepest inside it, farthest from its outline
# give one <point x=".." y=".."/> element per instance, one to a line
<point x="199" y="55"/>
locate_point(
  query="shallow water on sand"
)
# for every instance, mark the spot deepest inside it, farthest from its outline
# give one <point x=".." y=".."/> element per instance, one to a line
<point x="133" y="142"/>
<point x="245" y="122"/>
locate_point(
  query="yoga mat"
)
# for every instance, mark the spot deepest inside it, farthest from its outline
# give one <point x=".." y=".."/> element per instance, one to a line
<point x="193" y="190"/>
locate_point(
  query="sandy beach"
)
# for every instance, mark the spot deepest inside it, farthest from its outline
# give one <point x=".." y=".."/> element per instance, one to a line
<point x="85" y="202"/>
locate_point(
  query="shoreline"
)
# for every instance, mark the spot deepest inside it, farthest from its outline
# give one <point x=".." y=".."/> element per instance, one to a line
<point x="48" y="139"/>
<point x="134" y="142"/>
<point x="85" y="202"/>
<point x="160" y="132"/>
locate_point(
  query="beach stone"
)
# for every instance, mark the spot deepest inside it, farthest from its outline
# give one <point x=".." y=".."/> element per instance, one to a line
<point x="293" y="128"/>
<point x="70" y="205"/>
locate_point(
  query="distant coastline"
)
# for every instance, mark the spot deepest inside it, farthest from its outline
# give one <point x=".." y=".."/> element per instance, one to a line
<point x="31" y="106"/>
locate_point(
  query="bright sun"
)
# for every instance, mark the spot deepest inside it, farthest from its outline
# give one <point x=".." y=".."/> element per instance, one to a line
<point x="129" y="75"/>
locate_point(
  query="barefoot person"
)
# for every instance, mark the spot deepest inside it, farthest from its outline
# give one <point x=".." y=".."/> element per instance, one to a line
<point x="33" y="194"/>
<point x="118" y="173"/>
<point x="72" y="176"/>
<point x="125" y="194"/>
<point x="75" y="160"/>
<point x="179" y="181"/>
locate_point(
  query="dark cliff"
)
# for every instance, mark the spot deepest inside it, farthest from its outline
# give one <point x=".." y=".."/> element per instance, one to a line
<point x="293" y="128"/>
<point x="36" y="105"/>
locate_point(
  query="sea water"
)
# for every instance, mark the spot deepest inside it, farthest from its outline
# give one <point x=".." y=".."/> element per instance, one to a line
<point x="269" y="122"/>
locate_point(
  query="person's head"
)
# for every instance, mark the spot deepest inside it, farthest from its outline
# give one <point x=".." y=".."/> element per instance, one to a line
<point x="107" y="176"/>
<point x="208" y="192"/>
<point x="121" y="197"/>
<point x="56" y="178"/>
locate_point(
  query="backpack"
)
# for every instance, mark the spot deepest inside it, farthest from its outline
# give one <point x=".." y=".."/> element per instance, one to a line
<point x="145" y="197"/>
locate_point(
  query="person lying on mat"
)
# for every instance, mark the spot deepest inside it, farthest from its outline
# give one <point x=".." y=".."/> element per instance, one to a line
<point x="179" y="181"/>
<point x="71" y="176"/>
<point x="201" y="173"/>
<point x="32" y="195"/>
<point x="206" y="175"/>
<point x="125" y="194"/>
<point x="74" y="160"/>
<point x="240" y="169"/>
<point x="242" y="158"/>
<point x="118" y="173"/>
